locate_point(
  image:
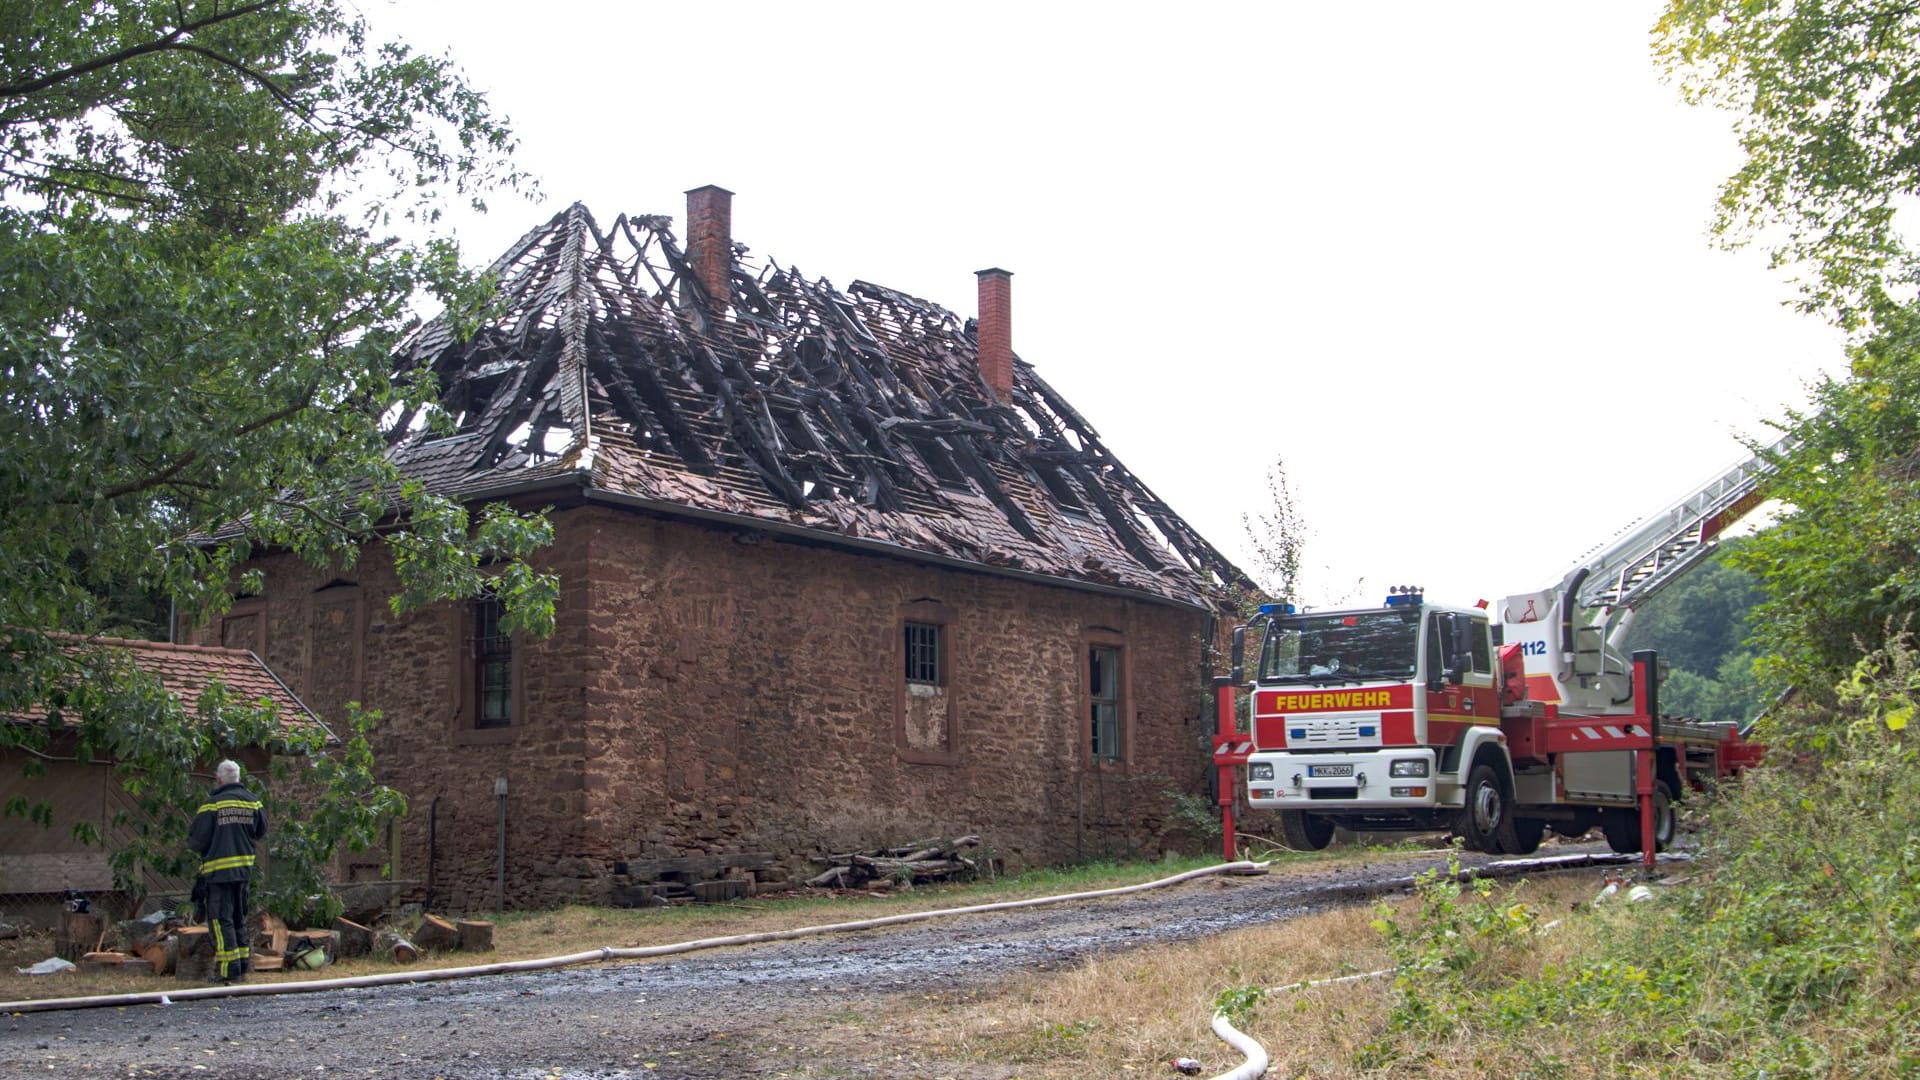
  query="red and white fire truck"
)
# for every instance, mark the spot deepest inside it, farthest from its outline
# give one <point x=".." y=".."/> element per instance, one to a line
<point x="1496" y="725"/>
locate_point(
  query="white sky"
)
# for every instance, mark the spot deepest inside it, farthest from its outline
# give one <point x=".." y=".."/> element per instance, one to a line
<point x="1449" y="261"/>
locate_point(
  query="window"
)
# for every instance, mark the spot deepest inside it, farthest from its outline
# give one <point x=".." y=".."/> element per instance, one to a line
<point x="1103" y="697"/>
<point x="924" y="671"/>
<point x="922" y="649"/>
<point x="492" y="665"/>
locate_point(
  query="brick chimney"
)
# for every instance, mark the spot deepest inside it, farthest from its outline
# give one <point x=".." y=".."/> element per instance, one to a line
<point x="993" y="335"/>
<point x="710" y="241"/>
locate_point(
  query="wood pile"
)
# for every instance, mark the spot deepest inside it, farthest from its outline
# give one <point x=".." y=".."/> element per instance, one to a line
<point x="917" y="863"/>
<point x="166" y="946"/>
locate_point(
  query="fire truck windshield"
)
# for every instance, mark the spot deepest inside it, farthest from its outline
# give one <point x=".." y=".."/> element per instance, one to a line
<point x="1349" y="646"/>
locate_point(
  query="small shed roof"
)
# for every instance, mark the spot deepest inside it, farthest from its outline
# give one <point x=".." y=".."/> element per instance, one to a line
<point x="185" y="671"/>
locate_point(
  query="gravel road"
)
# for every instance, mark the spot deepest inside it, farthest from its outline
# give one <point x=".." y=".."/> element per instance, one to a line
<point x="742" y="1012"/>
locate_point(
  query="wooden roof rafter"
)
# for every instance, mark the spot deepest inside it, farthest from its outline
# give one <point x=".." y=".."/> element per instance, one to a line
<point x="858" y="410"/>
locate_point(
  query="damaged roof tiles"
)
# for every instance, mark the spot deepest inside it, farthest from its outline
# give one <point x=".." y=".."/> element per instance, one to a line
<point x="787" y="404"/>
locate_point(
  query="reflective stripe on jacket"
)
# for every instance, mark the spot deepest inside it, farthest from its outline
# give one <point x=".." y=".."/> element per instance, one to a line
<point x="224" y="831"/>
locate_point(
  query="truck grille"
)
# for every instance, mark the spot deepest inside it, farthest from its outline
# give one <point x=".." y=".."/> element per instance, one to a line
<point x="1331" y="731"/>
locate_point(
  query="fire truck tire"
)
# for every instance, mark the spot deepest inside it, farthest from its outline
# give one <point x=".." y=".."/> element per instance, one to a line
<point x="1527" y="833"/>
<point x="1305" y="832"/>
<point x="1485" y="823"/>
<point x="1622" y="827"/>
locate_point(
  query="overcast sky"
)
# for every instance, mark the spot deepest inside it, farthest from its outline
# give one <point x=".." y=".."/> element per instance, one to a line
<point x="1449" y="261"/>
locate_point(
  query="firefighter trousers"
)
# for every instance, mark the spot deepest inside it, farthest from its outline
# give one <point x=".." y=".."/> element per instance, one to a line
<point x="227" y="922"/>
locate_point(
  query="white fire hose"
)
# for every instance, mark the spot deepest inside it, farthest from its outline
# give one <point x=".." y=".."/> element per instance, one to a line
<point x="607" y="953"/>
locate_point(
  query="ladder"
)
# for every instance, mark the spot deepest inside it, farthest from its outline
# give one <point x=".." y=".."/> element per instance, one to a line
<point x="1647" y="557"/>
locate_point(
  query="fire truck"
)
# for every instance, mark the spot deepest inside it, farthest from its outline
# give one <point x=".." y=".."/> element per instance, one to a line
<point x="1493" y="725"/>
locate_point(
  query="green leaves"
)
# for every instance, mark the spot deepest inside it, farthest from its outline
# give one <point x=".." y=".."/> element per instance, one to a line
<point x="198" y="305"/>
<point x="1826" y="100"/>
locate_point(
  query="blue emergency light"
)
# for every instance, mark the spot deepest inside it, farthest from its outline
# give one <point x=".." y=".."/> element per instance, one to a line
<point x="1404" y="595"/>
<point x="1276" y="609"/>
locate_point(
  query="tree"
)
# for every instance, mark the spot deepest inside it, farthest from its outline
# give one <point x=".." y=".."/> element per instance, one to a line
<point x="1827" y="104"/>
<point x="198" y="300"/>
<point x="1826" y="98"/>
<point x="1276" y="536"/>
<point x="1700" y="625"/>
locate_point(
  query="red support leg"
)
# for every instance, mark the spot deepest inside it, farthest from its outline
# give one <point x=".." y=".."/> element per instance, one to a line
<point x="1224" y="725"/>
<point x="1643" y="765"/>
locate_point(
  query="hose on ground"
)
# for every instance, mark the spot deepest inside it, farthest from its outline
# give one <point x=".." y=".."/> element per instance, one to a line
<point x="1256" y="1055"/>
<point x="605" y="953"/>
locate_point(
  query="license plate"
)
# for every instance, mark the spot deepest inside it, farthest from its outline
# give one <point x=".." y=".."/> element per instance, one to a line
<point x="1329" y="770"/>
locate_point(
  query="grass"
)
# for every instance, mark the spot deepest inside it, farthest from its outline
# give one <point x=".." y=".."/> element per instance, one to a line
<point x="1131" y="1012"/>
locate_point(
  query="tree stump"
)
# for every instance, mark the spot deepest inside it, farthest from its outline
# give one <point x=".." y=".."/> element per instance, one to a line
<point x="436" y="934"/>
<point x="402" y="950"/>
<point x="475" y="936"/>
<point x="193" y="956"/>
<point x="80" y="933"/>
<point x="355" y="939"/>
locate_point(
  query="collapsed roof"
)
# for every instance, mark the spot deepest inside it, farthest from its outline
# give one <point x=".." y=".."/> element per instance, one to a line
<point x="691" y="383"/>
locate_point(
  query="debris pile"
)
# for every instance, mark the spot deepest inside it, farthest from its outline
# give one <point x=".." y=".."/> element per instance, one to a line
<point x="916" y="864"/>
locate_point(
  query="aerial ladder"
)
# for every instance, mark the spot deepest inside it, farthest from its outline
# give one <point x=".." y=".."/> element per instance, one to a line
<point x="1494" y="725"/>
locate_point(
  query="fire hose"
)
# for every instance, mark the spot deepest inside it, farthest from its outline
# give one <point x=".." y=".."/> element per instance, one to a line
<point x="592" y="955"/>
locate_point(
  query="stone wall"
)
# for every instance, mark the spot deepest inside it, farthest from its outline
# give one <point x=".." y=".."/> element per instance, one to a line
<point x="746" y="694"/>
<point x="712" y="691"/>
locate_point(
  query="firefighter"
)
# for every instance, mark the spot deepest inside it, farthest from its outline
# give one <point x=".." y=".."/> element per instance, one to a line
<point x="223" y="835"/>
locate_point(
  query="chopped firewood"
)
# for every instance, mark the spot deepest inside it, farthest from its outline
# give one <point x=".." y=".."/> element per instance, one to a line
<point x="392" y="944"/>
<point x="475" y="936"/>
<point x="101" y="961"/>
<point x="266" y="931"/>
<point x="921" y="862"/>
<point x="318" y="939"/>
<point x="138" y="932"/>
<point x="355" y="939"/>
<point x="157" y="956"/>
<point x="436" y="934"/>
<point x="267" y="962"/>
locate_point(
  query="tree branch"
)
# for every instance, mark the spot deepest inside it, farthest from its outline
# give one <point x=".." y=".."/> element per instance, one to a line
<point x="153" y="480"/>
<point x="170" y="40"/>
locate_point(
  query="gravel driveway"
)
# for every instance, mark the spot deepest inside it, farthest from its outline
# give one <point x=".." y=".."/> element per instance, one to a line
<point x="741" y="1012"/>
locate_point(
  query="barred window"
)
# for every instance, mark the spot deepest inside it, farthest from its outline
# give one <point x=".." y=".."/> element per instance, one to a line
<point x="923" y="653"/>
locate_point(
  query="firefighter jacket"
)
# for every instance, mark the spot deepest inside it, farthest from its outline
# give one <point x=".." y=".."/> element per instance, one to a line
<point x="224" y="831"/>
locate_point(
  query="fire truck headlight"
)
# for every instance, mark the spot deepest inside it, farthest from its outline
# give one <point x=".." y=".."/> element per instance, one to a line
<point x="1260" y="770"/>
<point x="1410" y="767"/>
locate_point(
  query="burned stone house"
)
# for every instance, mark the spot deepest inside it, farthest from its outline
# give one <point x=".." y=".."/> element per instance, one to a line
<point x="837" y="569"/>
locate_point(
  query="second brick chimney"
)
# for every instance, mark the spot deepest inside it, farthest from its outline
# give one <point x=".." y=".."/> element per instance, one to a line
<point x="993" y="335"/>
<point x="710" y="241"/>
